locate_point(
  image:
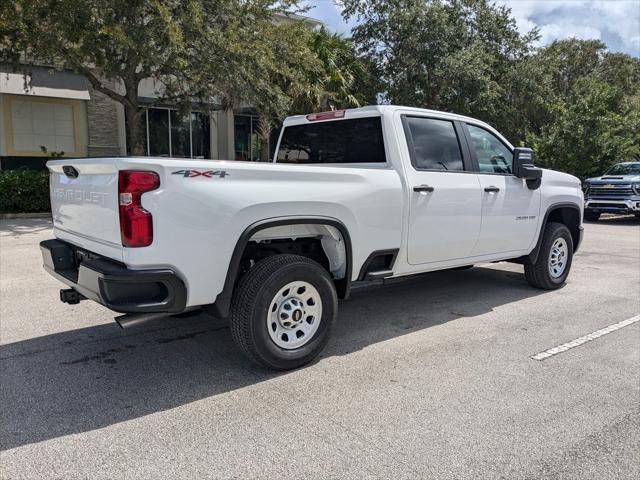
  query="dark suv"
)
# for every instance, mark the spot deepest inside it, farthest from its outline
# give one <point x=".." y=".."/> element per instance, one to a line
<point x="617" y="191"/>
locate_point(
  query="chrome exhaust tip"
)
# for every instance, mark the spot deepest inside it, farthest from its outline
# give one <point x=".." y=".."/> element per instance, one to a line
<point x="129" y="320"/>
<point x="134" y="319"/>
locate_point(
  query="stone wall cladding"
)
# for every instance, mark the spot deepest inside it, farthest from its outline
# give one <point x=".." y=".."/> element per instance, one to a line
<point x="102" y="125"/>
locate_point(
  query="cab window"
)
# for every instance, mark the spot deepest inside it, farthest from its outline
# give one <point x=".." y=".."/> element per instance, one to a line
<point x="433" y="144"/>
<point x="357" y="140"/>
<point x="493" y="155"/>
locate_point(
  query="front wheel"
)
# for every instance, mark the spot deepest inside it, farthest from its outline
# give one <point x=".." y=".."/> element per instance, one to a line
<point x="283" y="311"/>
<point x="552" y="266"/>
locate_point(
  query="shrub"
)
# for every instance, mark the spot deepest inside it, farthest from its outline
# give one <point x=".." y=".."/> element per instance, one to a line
<point x="24" y="191"/>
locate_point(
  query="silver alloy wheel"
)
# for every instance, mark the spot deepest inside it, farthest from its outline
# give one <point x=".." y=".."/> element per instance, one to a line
<point x="294" y="315"/>
<point x="558" y="257"/>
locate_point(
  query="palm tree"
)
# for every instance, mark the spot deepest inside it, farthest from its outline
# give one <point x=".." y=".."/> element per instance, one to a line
<point x="335" y="84"/>
<point x="331" y="82"/>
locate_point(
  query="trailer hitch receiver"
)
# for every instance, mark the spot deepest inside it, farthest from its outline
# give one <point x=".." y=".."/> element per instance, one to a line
<point x="70" y="296"/>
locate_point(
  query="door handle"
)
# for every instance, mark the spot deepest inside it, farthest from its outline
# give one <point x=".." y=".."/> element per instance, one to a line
<point x="492" y="189"/>
<point x="423" y="189"/>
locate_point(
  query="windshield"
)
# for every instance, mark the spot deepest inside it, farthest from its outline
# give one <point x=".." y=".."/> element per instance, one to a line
<point x="624" y="169"/>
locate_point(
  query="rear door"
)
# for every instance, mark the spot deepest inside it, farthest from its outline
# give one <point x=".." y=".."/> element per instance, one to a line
<point x="509" y="208"/>
<point x="444" y="196"/>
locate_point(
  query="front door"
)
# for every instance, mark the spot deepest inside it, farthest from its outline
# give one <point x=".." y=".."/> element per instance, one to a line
<point x="509" y="208"/>
<point x="445" y="196"/>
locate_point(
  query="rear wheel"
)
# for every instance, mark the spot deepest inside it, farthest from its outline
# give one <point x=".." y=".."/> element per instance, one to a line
<point x="552" y="266"/>
<point x="591" y="216"/>
<point x="283" y="311"/>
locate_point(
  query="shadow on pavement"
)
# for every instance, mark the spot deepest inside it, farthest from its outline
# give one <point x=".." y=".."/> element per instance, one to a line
<point x="90" y="378"/>
<point x="20" y="226"/>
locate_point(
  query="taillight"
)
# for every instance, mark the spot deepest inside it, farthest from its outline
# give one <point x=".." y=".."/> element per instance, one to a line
<point x="136" y="224"/>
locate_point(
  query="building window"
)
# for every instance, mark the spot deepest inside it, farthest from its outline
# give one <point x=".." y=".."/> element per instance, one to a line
<point x="247" y="141"/>
<point x="172" y="134"/>
<point x="34" y="124"/>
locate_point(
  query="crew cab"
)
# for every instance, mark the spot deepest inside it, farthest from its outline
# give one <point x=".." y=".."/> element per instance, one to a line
<point x="351" y="196"/>
<point x="617" y="191"/>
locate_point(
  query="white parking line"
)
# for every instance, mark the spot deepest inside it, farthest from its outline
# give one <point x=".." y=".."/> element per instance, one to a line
<point x="585" y="338"/>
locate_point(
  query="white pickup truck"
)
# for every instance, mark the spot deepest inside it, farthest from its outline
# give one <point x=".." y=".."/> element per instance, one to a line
<point x="352" y="196"/>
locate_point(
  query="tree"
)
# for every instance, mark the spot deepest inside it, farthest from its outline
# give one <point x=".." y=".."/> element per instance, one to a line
<point x="318" y="70"/>
<point x="345" y="77"/>
<point x="590" y="117"/>
<point x="203" y="50"/>
<point x="595" y="126"/>
<point x="620" y="70"/>
<point x="288" y="46"/>
<point x="569" y="60"/>
<point x="454" y="55"/>
<point x="573" y="100"/>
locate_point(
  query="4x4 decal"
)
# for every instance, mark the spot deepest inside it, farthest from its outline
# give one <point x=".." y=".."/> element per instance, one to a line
<point x="198" y="173"/>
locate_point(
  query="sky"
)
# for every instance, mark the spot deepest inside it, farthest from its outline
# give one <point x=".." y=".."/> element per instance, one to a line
<point x="615" y="22"/>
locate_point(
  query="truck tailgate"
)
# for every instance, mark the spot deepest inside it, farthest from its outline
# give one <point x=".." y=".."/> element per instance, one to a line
<point x="84" y="204"/>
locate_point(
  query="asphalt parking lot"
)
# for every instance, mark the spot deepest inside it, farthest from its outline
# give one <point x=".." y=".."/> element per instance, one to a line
<point x="427" y="378"/>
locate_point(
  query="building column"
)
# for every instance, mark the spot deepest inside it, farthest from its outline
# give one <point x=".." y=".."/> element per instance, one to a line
<point x="223" y="135"/>
<point x="103" y="126"/>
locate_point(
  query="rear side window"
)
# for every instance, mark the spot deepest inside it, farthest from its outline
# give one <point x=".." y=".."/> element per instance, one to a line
<point x="433" y="144"/>
<point x="344" y="141"/>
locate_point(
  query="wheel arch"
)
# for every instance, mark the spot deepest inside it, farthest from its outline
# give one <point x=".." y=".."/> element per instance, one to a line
<point x="222" y="304"/>
<point x="566" y="213"/>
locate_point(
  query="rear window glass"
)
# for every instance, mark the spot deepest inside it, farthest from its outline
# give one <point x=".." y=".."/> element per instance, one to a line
<point x="433" y="144"/>
<point x="342" y="141"/>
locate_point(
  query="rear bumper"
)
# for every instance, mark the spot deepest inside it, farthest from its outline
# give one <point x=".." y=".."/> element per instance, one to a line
<point x="111" y="283"/>
<point x="612" y="206"/>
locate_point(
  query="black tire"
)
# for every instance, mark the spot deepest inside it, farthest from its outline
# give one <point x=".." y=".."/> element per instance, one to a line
<point x="591" y="216"/>
<point x="252" y="301"/>
<point x="538" y="274"/>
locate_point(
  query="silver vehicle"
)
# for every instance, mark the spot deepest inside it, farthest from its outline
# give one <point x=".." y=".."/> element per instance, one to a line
<point x="617" y="191"/>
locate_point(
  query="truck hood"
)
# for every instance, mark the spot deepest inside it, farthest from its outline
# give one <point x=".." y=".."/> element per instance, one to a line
<point x="560" y="177"/>
<point x="613" y="179"/>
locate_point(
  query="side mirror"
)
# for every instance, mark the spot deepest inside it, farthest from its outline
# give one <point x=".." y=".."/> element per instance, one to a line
<point x="523" y="167"/>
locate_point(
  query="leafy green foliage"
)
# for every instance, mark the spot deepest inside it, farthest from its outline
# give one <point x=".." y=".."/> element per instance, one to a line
<point x="346" y="79"/>
<point x="592" y="115"/>
<point x="576" y="103"/>
<point x="191" y="49"/>
<point x="315" y="70"/>
<point x="217" y="52"/>
<point x="24" y="191"/>
<point x="447" y="55"/>
<point x="594" y="127"/>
